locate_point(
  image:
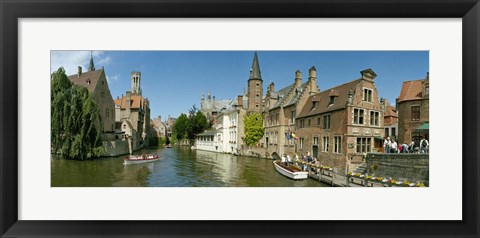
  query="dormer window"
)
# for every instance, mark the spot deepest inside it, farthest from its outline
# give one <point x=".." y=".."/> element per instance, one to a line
<point x="332" y="100"/>
<point x="427" y="91"/>
<point x="314" y="104"/>
<point x="333" y="94"/>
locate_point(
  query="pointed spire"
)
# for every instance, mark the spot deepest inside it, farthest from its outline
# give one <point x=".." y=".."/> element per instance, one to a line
<point x="91" y="67"/>
<point x="255" y="70"/>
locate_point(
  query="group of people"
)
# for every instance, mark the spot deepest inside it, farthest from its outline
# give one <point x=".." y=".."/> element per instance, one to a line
<point x="297" y="161"/>
<point x="391" y="146"/>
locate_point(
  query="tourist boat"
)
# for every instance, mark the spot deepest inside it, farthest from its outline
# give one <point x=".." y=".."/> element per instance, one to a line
<point x="138" y="159"/>
<point x="290" y="171"/>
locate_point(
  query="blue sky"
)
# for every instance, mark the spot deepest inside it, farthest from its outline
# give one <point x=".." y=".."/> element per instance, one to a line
<point x="174" y="80"/>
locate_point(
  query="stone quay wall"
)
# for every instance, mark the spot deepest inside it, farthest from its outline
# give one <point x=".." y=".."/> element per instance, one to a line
<point x="411" y="167"/>
<point x="115" y="148"/>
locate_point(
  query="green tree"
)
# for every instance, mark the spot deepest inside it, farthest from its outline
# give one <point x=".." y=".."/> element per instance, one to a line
<point x="75" y="125"/>
<point x="187" y="127"/>
<point x="253" y="128"/>
<point x="180" y="128"/>
<point x="198" y="123"/>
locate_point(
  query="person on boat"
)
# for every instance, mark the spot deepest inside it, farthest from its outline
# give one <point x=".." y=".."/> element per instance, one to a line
<point x="284" y="159"/>
<point x="289" y="160"/>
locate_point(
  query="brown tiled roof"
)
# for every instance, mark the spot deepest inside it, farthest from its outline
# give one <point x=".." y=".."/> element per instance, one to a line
<point x="323" y="99"/>
<point x="411" y="90"/>
<point x="89" y="76"/>
<point x="136" y="102"/>
<point x="390" y="112"/>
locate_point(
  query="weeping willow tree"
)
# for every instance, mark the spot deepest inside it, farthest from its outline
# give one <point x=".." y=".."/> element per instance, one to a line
<point x="75" y="125"/>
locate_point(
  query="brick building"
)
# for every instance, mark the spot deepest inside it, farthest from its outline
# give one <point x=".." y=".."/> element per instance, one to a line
<point x="281" y="109"/>
<point x="132" y="112"/>
<point x="340" y="125"/>
<point x="96" y="83"/>
<point x="390" y="119"/>
<point x="413" y="111"/>
<point x="159" y="126"/>
<point x="210" y="106"/>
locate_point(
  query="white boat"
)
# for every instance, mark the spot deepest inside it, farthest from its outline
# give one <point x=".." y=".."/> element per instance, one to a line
<point x="290" y="171"/>
<point x="138" y="159"/>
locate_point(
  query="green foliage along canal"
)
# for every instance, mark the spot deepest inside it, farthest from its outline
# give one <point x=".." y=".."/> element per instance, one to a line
<point x="178" y="167"/>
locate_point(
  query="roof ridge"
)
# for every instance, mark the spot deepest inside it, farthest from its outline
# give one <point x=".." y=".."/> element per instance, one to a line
<point x="341" y="85"/>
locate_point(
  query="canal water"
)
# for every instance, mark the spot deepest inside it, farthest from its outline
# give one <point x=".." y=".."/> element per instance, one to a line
<point x="177" y="167"/>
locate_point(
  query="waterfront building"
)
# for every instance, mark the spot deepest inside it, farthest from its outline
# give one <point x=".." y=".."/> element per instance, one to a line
<point x="340" y="125"/>
<point x="208" y="141"/>
<point x="159" y="126"/>
<point x="228" y="130"/>
<point x="157" y="130"/>
<point x="413" y="111"/>
<point x="281" y="109"/>
<point x="132" y="112"/>
<point x="169" y="125"/>
<point x="210" y="106"/>
<point x="96" y="83"/>
<point x="390" y="119"/>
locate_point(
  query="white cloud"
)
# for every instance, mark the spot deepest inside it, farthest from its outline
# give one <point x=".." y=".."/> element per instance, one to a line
<point x="104" y="61"/>
<point x="113" y="78"/>
<point x="70" y="60"/>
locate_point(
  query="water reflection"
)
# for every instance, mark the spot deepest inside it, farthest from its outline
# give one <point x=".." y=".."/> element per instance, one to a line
<point x="177" y="167"/>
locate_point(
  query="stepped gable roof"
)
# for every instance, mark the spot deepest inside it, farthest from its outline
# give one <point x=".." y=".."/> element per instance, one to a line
<point x="411" y="90"/>
<point x="86" y="77"/>
<point x="282" y="93"/>
<point x="390" y="111"/>
<point x="136" y="102"/>
<point x="296" y="97"/>
<point x="323" y="99"/>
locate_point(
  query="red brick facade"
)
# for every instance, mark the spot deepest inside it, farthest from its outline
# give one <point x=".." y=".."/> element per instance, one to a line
<point x="348" y="116"/>
<point x="413" y="110"/>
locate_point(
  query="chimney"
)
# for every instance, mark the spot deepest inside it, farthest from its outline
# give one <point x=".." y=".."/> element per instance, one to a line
<point x="128" y="102"/>
<point x="312" y="78"/>
<point x="79" y="71"/>
<point x="271" y="87"/>
<point x="298" y="78"/>
<point x="240" y="101"/>
<point x="312" y="72"/>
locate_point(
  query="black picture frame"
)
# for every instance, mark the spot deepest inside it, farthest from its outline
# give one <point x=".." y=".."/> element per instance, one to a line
<point x="11" y="11"/>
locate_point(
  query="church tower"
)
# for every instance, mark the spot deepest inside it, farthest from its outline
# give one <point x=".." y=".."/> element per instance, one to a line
<point x="91" y="67"/>
<point x="136" y="83"/>
<point x="255" y="87"/>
